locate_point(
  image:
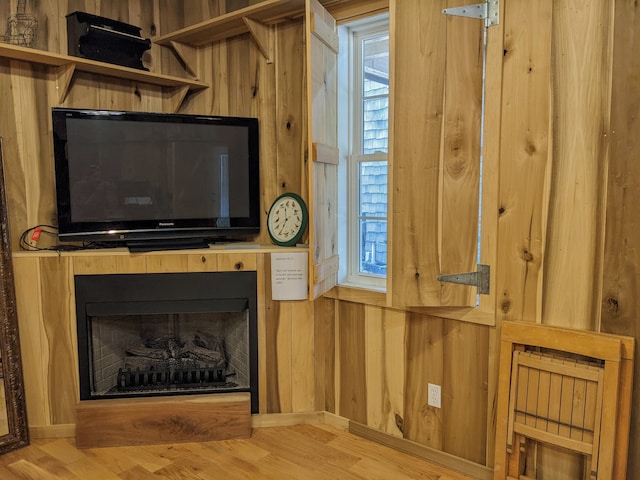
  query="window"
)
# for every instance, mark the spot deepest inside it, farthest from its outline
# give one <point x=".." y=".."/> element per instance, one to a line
<point x="363" y="75"/>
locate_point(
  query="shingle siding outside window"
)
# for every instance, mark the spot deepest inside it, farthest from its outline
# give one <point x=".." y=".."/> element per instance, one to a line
<point x="373" y="184"/>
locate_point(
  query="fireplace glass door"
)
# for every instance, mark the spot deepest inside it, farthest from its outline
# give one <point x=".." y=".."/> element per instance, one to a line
<point x="168" y="352"/>
<point x="166" y="334"/>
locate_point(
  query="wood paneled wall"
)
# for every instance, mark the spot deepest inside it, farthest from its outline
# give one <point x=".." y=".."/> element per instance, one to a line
<point x="566" y="230"/>
<point x="620" y="302"/>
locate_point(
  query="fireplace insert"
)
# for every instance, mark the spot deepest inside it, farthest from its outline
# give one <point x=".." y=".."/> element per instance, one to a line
<point x="166" y="334"/>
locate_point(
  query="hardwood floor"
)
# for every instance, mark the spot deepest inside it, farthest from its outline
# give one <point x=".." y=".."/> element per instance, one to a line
<point x="313" y="452"/>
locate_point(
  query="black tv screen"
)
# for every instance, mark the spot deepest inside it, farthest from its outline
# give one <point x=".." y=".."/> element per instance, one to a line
<point x="150" y="179"/>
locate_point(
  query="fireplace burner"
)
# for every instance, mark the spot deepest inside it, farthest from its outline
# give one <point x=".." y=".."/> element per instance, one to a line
<point x="152" y="380"/>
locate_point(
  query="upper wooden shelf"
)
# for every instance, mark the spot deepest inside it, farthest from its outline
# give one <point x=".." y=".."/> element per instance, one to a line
<point x="234" y="23"/>
<point x="67" y="65"/>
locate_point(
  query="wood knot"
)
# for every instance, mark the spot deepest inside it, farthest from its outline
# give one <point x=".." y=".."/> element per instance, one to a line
<point x="203" y="259"/>
<point x="399" y="423"/>
<point x="612" y="305"/>
<point x="501" y="210"/>
<point x="506" y="306"/>
<point x="288" y="125"/>
<point x="530" y="149"/>
<point x="417" y="275"/>
<point x="238" y="266"/>
<point x="527" y="256"/>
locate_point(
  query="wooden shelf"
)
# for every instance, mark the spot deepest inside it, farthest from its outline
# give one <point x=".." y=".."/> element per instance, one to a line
<point x="234" y="23"/>
<point x="67" y="65"/>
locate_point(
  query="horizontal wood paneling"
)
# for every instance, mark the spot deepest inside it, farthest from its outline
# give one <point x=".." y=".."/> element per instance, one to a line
<point x="135" y="421"/>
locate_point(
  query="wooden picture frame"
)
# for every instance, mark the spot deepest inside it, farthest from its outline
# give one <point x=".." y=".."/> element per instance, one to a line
<point x="16" y="414"/>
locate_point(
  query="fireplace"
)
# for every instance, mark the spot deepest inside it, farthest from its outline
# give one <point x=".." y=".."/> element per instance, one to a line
<point x="142" y="335"/>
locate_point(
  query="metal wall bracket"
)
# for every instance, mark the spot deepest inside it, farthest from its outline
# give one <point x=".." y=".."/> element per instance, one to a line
<point x="480" y="279"/>
<point x="489" y="11"/>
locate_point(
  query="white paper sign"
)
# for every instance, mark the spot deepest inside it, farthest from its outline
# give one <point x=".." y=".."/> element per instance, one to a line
<point x="289" y="276"/>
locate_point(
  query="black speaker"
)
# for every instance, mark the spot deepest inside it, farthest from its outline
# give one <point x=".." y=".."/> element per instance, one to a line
<point x="99" y="38"/>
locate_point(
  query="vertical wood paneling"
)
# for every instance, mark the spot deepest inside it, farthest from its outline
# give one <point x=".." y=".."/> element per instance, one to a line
<point x="278" y="353"/>
<point x="302" y="356"/>
<point x="419" y="65"/>
<point x="325" y="351"/>
<point x="525" y="156"/>
<point x="552" y="173"/>
<point x="241" y="75"/>
<point x="581" y="85"/>
<point x="264" y="378"/>
<point x="282" y="344"/>
<point x="620" y="307"/>
<point x="58" y="307"/>
<point x="385" y="332"/>
<point x="490" y="212"/>
<point x="352" y="350"/>
<point x="424" y="359"/>
<point x="466" y="354"/>
<point x="29" y="197"/>
<point x="170" y="16"/>
<point x="322" y="127"/>
<point x="461" y="153"/>
<point x="285" y="173"/>
<point x="33" y="345"/>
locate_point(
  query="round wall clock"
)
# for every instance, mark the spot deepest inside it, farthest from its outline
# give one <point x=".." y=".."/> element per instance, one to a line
<point x="287" y="219"/>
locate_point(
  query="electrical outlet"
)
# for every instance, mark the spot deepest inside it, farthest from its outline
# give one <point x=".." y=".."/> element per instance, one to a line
<point x="435" y="399"/>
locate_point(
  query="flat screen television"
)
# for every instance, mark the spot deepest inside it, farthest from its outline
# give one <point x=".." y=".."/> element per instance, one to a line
<point x="154" y="181"/>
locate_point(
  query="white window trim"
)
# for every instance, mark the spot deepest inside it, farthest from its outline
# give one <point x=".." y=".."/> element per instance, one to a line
<point x="349" y="235"/>
<point x="356" y="277"/>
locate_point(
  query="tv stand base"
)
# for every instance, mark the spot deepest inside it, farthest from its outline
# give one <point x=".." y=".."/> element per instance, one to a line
<point x="139" y="246"/>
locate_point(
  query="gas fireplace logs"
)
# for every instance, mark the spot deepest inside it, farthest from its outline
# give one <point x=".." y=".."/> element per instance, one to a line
<point x="159" y="363"/>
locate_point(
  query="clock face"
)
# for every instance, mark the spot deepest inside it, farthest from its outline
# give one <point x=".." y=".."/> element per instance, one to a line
<point x="287" y="219"/>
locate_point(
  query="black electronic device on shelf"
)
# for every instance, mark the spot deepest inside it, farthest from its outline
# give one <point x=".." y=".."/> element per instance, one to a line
<point x="155" y="181"/>
<point x="106" y="40"/>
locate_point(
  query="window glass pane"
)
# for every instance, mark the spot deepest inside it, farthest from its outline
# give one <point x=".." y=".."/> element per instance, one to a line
<point x="373" y="189"/>
<point x="372" y="217"/>
<point x="373" y="252"/>
<point x="375" y="128"/>
<point x="375" y="65"/>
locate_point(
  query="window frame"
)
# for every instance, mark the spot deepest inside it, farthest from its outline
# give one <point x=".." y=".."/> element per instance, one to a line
<point x="357" y="33"/>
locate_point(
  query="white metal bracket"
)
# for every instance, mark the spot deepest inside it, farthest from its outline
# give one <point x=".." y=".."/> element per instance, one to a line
<point x="489" y="11"/>
<point x="479" y="279"/>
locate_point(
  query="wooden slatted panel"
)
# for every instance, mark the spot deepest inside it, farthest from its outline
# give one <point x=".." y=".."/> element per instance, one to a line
<point x="565" y="413"/>
<point x="322" y="126"/>
<point x="583" y="398"/>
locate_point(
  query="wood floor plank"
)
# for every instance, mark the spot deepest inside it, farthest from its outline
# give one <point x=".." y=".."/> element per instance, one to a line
<point x="309" y="452"/>
<point x="28" y="470"/>
<point x="6" y="474"/>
